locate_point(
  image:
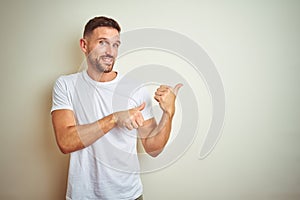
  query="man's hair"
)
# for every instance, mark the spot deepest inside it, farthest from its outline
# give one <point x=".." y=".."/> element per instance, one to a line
<point x="100" y="22"/>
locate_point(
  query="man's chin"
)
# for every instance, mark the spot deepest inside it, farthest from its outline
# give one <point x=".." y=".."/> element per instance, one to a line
<point x="105" y="69"/>
<point x="108" y="69"/>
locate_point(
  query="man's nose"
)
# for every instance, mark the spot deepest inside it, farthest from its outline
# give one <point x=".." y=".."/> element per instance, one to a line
<point x="108" y="50"/>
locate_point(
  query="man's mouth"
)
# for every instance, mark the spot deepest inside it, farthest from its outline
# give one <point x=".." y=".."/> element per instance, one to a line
<point x="107" y="59"/>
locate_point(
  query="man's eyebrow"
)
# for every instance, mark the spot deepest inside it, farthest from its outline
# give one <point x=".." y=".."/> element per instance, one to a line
<point x="103" y="38"/>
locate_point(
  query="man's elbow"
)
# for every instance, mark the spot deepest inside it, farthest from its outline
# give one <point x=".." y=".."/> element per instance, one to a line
<point x="68" y="144"/>
<point x="153" y="149"/>
<point x="154" y="153"/>
<point x="64" y="148"/>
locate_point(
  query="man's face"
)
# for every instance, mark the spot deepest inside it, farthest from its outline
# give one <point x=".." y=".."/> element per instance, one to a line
<point x="102" y="48"/>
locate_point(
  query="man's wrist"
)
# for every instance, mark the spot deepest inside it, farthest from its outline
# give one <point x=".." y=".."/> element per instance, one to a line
<point x="114" y="119"/>
<point x="169" y="114"/>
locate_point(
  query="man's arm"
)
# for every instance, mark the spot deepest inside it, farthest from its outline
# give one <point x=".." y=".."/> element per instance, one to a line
<point x="154" y="137"/>
<point x="71" y="137"/>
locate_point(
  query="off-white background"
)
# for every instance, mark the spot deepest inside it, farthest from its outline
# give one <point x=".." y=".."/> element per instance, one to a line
<point x="255" y="46"/>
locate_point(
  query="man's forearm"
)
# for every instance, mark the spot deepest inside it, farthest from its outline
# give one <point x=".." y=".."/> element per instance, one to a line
<point x="155" y="142"/>
<point x="159" y="135"/>
<point x="76" y="137"/>
<point x="91" y="132"/>
<point x="71" y="137"/>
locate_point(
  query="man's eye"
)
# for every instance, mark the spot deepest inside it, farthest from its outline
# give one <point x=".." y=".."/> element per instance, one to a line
<point x="102" y="43"/>
<point x="116" y="45"/>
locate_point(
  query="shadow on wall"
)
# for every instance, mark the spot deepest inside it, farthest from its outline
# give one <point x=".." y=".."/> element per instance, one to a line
<point x="57" y="163"/>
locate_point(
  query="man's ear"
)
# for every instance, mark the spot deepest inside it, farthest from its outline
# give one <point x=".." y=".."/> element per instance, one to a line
<point x="83" y="45"/>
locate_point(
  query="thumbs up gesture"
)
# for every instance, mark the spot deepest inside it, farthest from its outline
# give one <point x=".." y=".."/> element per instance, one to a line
<point x="165" y="96"/>
<point x="130" y="119"/>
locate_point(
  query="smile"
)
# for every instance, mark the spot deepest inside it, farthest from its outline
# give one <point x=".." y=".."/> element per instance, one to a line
<point x="107" y="59"/>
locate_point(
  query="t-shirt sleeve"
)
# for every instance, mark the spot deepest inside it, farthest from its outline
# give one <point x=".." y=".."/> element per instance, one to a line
<point x="60" y="97"/>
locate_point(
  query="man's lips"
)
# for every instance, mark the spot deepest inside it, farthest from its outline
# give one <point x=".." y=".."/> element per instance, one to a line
<point x="107" y="59"/>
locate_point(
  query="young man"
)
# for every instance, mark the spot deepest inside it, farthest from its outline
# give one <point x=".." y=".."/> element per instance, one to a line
<point x="92" y="122"/>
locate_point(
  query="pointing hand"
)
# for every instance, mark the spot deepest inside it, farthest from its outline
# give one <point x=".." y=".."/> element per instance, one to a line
<point x="131" y="118"/>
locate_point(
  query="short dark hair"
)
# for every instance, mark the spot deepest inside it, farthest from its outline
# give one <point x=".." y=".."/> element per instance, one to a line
<point x="100" y="22"/>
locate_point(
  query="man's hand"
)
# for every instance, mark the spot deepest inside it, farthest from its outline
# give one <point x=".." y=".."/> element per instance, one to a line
<point x="165" y="96"/>
<point x="131" y="118"/>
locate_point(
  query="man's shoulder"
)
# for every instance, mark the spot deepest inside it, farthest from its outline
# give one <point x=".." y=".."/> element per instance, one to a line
<point x="68" y="78"/>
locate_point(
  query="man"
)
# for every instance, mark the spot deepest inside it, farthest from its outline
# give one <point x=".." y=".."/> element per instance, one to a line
<point x="92" y="122"/>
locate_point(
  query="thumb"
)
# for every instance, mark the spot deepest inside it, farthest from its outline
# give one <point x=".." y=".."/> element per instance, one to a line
<point x="177" y="87"/>
<point x="141" y="107"/>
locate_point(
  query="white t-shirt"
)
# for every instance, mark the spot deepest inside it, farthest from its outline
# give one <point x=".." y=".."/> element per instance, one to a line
<point x="109" y="168"/>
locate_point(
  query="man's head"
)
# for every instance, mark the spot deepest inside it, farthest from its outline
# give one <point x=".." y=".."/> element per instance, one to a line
<point x="100" y="22"/>
<point x="100" y="43"/>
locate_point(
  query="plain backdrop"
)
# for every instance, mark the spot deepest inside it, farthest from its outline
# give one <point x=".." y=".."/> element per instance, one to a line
<point x="255" y="46"/>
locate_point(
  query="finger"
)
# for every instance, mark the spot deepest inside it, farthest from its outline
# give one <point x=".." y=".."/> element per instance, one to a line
<point x="159" y="93"/>
<point x="157" y="98"/>
<point x="134" y="124"/>
<point x="129" y="126"/>
<point x="177" y="87"/>
<point x="140" y="119"/>
<point x="141" y="107"/>
<point x="162" y="89"/>
<point x="164" y="86"/>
